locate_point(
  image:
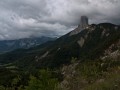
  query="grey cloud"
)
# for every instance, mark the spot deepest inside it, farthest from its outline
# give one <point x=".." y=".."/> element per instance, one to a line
<point x="26" y="18"/>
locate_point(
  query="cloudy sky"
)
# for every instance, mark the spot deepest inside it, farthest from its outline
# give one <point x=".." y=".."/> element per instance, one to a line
<point x="30" y="18"/>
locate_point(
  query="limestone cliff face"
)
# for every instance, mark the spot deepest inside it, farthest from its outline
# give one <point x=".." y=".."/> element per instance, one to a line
<point x="84" y="22"/>
<point x="81" y="42"/>
<point x="83" y="25"/>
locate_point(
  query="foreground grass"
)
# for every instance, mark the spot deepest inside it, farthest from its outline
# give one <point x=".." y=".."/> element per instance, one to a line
<point x="94" y="75"/>
<point x="111" y="82"/>
<point x="87" y="75"/>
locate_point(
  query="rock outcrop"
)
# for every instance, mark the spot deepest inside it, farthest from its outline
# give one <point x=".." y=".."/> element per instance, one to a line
<point x="83" y="25"/>
<point x="84" y="22"/>
<point x="81" y="42"/>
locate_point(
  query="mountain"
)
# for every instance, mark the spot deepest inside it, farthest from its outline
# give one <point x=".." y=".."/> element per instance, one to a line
<point x="87" y="58"/>
<point x="9" y="45"/>
<point x="90" y="43"/>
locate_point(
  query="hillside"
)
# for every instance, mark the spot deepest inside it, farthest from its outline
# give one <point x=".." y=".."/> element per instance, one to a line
<point x="90" y="43"/>
<point x="92" y="55"/>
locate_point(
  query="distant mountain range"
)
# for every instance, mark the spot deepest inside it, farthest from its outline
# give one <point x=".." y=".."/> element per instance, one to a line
<point x="9" y="45"/>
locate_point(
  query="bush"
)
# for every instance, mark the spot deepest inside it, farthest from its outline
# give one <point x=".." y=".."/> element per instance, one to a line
<point x="43" y="82"/>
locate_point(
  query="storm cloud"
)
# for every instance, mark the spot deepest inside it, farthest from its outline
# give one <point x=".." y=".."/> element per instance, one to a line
<point x="31" y="18"/>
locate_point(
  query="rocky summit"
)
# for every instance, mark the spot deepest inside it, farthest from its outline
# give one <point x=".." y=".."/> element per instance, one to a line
<point x="83" y="22"/>
<point x="83" y="25"/>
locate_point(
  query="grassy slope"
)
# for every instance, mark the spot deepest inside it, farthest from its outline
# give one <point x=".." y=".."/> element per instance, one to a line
<point x="93" y="75"/>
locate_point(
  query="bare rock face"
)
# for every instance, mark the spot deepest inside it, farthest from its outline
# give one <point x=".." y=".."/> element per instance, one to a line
<point x="83" y="25"/>
<point x="81" y="42"/>
<point x="84" y="22"/>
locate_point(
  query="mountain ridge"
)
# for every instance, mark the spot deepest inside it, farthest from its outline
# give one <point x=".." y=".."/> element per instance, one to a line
<point x="90" y="43"/>
<point x="10" y="45"/>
